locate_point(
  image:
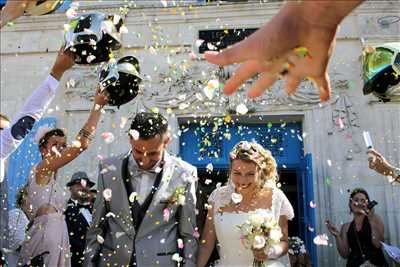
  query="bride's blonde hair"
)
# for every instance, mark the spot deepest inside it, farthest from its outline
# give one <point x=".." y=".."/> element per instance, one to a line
<point x="254" y="152"/>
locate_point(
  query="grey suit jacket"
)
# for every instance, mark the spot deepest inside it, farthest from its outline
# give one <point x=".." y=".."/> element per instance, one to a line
<point x="156" y="239"/>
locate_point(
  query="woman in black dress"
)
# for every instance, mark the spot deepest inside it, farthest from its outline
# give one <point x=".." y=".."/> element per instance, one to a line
<point x="358" y="241"/>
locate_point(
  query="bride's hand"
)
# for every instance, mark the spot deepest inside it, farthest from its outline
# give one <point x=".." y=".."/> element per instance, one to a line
<point x="260" y="255"/>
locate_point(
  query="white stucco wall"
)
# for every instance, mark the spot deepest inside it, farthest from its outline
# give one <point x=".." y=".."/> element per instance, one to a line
<point x="28" y="50"/>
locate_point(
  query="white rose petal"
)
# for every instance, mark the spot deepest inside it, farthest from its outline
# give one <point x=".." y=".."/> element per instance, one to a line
<point x="236" y="198"/>
<point x="132" y="197"/>
<point x="242" y="109"/>
<point x="181" y="200"/>
<point x="275" y="234"/>
<point x="176" y="257"/>
<point x="107" y="194"/>
<point x="90" y="58"/>
<point x="321" y="240"/>
<point x="100" y="239"/>
<point x="134" y="134"/>
<point x="259" y="242"/>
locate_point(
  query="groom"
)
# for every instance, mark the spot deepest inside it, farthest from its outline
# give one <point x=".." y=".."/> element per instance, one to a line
<point x="144" y="214"/>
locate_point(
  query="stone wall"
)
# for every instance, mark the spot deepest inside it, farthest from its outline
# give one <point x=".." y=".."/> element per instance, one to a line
<point x="28" y="50"/>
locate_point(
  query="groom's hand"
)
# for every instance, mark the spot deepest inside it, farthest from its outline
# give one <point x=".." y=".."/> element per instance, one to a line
<point x="260" y="255"/>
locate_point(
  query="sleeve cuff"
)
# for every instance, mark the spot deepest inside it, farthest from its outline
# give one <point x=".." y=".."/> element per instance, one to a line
<point x="52" y="82"/>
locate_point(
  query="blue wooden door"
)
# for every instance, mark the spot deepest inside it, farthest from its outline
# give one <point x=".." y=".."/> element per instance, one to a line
<point x="23" y="159"/>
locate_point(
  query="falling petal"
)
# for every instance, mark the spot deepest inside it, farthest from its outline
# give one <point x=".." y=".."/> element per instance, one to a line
<point x="100" y="239"/>
<point x="108" y="137"/>
<point x="166" y="214"/>
<point x="134" y="134"/>
<point x="132" y="197"/>
<point x="107" y="194"/>
<point x="199" y="42"/>
<point x="90" y="58"/>
<point x="321" y="240"/>
<point x="83" y="183"/>
<point x="236" y="198"/>
<point x="164" y="3"/>
<point x="242" y="109"/>
<point x="180" y="243"/>
<point x="329" y="162"/>
<point x="313" y="204"/>
<point x="123" y="122"/>
<point x="210" y="167"/>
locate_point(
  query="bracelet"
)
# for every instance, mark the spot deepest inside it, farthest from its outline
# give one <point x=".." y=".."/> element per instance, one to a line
<point x="86" y="134"/>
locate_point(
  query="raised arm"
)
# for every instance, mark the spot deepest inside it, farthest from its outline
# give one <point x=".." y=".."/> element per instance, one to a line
<point x="342" y="244"/>
<point x="377" y="229"/>
<point x="51" y="164"/>
<point x="35" y="106"/>
<point x="207" y="239"/>
<point x="270" y="50"/>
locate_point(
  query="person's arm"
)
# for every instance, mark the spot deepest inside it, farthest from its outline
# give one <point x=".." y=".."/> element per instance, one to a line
<point x="187" y="225"/>
<point x="12" y="10"/>
<point x="271" y="50"/>
<point x="208" y="239"/>
<point x="35" y="106"/>
<point x="340" y="237"/>
<point x="378" y="163"/>
<point x="95" y="229"/>
<point x="328" y="13"/>
<point x="51" y="164"/>
<point x="377" y="228"/>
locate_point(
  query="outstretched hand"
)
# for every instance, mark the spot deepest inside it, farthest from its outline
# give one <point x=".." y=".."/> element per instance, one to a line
<point x="64" y="61"/>
<point x="271" y="52"/>
<point x="101" y="97"/>
<point x="331" y="228"/>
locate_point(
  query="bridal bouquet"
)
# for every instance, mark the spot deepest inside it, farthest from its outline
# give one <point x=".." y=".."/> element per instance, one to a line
<point x="260" y="231"/>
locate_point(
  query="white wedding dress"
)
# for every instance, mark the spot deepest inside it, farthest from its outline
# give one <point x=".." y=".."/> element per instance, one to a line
<point x="231" y="250"/>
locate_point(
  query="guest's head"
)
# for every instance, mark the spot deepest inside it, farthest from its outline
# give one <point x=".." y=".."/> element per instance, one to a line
<point x="51" y="141"/>
<point x="4" y="122"/>
<point x="252" y="167"/>
<point x="358" y="201"/>
<point x="79" y="186"/>
<point x="149" y="138"/>
<point x="21" y="198"/>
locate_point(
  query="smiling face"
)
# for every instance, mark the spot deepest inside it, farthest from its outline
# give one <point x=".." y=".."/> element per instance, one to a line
<point x="244" y="175"/>
<point x="358" y="203"/>
<point x="147" y="152"/>
<point x="54" y="146"/>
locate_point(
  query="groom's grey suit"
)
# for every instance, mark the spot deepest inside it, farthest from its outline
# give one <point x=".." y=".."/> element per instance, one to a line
<point x="155" y="240"/>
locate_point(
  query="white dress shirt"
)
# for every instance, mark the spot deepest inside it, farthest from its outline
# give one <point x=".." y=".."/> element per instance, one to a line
<point x="34" y="107"/>
<point x="142" y="183"/>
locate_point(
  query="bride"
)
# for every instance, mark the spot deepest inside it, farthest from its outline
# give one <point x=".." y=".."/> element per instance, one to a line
<point x="251" y="186"/>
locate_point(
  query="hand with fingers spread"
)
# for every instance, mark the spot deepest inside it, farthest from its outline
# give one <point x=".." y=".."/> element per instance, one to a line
<point x="332" y="228"/>
<point x="295" y="45"/>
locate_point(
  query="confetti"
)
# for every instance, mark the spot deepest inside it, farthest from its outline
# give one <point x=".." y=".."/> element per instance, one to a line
<point x="123" y="122"/>
<point x="313" y="205"/>
<point x="107" y="194"/>
<point x="199" y="42"/>
<point x="302" y="52"/>
<point x="134" y="134"/>
<point x="100" y="239"/>
<point x="236" y="198"/>
<point x="180" y="243"/>
<point x="132" y="197"/>
<point x="55" y="150"/>
<point x="176" y="257"/>
<point x="242" y="109"/>
<point x="209" y="167"/>
<point x="208" y="181"/>
<point x="166" y="214"/>
<point x="108" y="137"/>
<point x="90" y="58"/>
<point x="321" y="240"/>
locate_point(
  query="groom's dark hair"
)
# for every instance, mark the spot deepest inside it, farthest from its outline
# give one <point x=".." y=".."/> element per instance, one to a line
<point x="149" y="125"/>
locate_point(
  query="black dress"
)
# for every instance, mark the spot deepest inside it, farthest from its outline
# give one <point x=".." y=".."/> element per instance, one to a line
<point x="361" y="247"/>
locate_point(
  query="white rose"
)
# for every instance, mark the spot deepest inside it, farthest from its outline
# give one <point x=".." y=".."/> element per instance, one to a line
<point x="275" y="234"/>
<point x="259" y="242"/>
<point x="256" y="219"/>
<point x="181" y="200"/>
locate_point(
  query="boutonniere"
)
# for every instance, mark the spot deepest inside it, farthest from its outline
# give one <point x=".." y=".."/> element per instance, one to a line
<point x="177" y="198"/>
